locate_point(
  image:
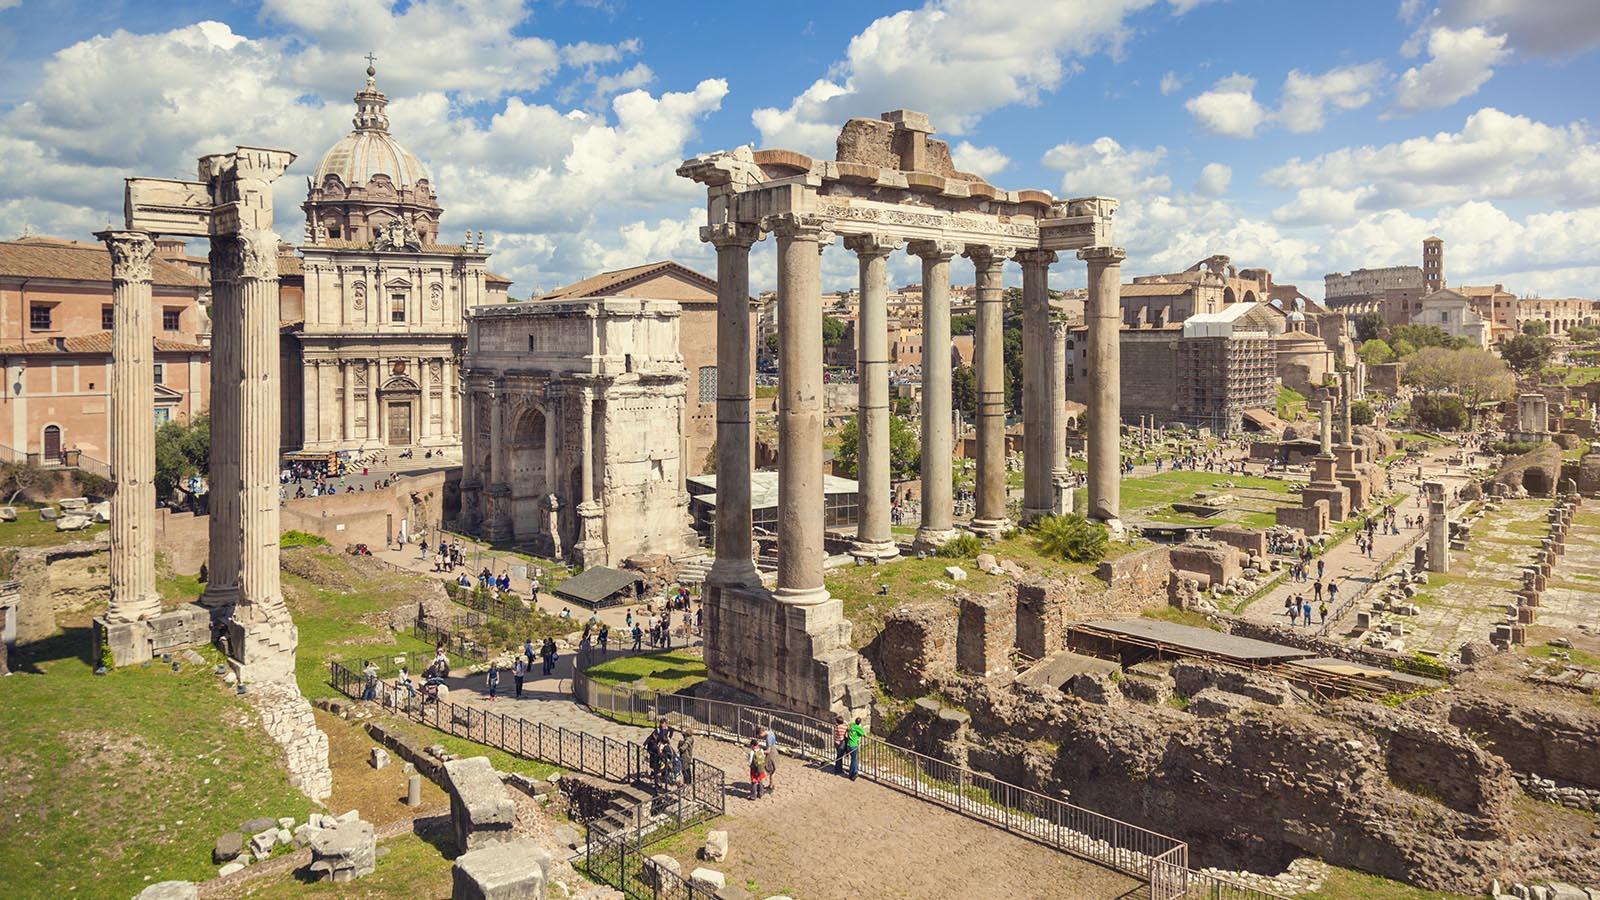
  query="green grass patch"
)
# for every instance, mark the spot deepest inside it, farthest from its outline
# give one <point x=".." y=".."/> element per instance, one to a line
<point x="1180" y="617"/>
<point x="29" y="531"/>
<point x="1578" y="657"/>
<point x="412" y="865"/>
<point x="666" y="672"/>
<point x="111" y="780"/>
<point x="291" y="538"/>
<point x="458" y="746"/>
<point x="1346" y="883"/>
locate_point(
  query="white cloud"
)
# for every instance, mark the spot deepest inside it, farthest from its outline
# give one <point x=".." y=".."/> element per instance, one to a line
<point x="1411" y="10"/>
<point x="1214" y="179"/>
<point x="1170" y="84"/>
<point x="1322" y="206"/>
<point x="953" y="59"/>
<point x="548" y="184"/>
<point x="1556" y="28"/>
<point x="1494" y="155"/>
<point x="986" y="162"/>
<point x="1306" y="97"/>
<point x="1229" y="108"/>
<point x="1460" y="62"/>
<point x="8" y="4"/>
<point x="1180" y="7"/>
<point x="1105" y="168"/>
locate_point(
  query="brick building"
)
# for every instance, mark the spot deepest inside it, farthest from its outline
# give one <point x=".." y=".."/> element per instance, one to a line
<point x="55" y="347"/>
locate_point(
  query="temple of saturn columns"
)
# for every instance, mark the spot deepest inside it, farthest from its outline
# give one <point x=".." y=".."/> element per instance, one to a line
<point x="231" y="205"/>
<point x="891" y="186"/>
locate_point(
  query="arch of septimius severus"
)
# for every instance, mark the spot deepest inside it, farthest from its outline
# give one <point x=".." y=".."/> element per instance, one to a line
<point x="891" y="187"/>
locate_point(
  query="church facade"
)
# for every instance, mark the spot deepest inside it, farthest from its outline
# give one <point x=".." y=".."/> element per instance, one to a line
<point x="373" y="339"/>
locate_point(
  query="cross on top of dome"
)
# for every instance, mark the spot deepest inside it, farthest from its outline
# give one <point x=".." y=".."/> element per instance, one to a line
<point x="370" y="102"/>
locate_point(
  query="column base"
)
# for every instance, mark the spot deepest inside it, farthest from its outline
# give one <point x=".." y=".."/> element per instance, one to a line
<point x="126" y="643"/>
<point x="932" y="538"/>
<point x="1061" y="490"/>
<point x="875" y="551"/>
<point x="1114" y="527"/>
<point x="219" y="601"/>
<point x="733" y="572"/>
<point x="990" y="529"/>
<point x="1031" y="514"/>
<point x="802" y="596"/>
<point x="262" y="652"/>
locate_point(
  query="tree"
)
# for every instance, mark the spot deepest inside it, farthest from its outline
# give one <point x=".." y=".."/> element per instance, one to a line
<point x="966" y="323"/>
<point x="1369" y="326"/>
<point x="905" y="449"/>
<point x="1474" y="375"/>
<point x="1376" y="352"/>
<point x="832" y="331"/>
<point x="1584" y="334"/>
<point x="1070" y="537"/>
<point x="772" y="344"/>
<point x="1527" y="353"/>
<point x="182" y="449"/>
<point x="1403" y="348"/>
<point x="1362" y="413"/>
<point x="964" y="390"/>
<point x="1536" y="327"/>
<point x="1426" y="336"/>
<point x="1439" y="413"/>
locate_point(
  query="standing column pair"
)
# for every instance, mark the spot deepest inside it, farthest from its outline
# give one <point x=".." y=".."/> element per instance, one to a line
<point x="937" y="524"/>
<point x="874" y="539"/>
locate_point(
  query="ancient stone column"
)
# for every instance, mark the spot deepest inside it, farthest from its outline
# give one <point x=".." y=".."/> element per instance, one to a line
<point x="262" y="638"/>
<point x="989" y="518"/>
<point x="591" y="540"/>
<point x="471" y="451"/>
<point x="1438" y="528"/>
<point x="497" y="489"/>
<point x="735" y="385"/>
<point x="1327" y="427"/>
<point x="800" y="413"/>
<point x="938" y="499"/>
<point x="447" y="392"/>
<point x="1056" y="383"/>
<point x="1103" y="314"/>
<point x="349" y="411"/>
<point x="1346" y="435"/>
<point x="873" y="537"/>
<point x="133" y="437"/>
<point x="1036" y="490"/>
<point x="223" y="485"/>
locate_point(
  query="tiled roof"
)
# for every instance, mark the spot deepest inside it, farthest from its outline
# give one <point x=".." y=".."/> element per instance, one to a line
<point x="95" y="342"/>
<point x="47" y="257"/>
<point x="607" y="283"/>
<point x="291" y="265"/>
<point x="492" y="278"/>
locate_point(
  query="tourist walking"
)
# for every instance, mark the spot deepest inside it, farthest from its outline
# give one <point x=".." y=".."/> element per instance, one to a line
<point x="370" y="692"/>
<point x="638" y="636"/>
<point x="852" y="743"/>
<point x="758" y="769"/>
<point x="518" y="672"/>
<point x="839" y="732"/>
<point x="686" y="754"/>
<point x="527" y="650"/>
<point x="605" y="636"/>
<point x="1333" y="592"/>
<point x="493" y="679"/>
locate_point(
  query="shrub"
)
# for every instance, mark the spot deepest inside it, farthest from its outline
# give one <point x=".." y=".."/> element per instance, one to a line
<point x="963" y="546"/>
<point x="1439" y="412"/>
<point x="291" y="539"/>
<point x="1515" y="448"/>
<point x="1361" y="413"/>
<point x="1071" y="537"/>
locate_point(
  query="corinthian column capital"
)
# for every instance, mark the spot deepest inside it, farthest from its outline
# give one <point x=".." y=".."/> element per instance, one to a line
<point x="799" y="227"/>
<point x="1036" y="257"/>
<point x="258" y="253"/>
<point x="730" y="234"/>
<point x="131" y="252"/>
<point x="872" y="244"/>
<point x="986" y="257"/>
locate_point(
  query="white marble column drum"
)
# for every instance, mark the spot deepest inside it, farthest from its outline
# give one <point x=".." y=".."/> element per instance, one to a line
<point x="1036" y="490"/>
<point x="262" y="636"/>
<point x="800" y="413"/>
<point x="1103" y="314"/>
<point x="989" y="518"/>
<point x="735" y="385"/>
<point x="223" y="485"/>
<point x="133" y="438"/>
<point x="874" y="540"/>
<point x="1326" y="427"/>
<point x="1056" y="443"/>
<point x="937" y="525"/>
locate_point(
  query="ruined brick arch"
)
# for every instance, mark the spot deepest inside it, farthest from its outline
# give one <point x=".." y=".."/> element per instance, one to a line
<point x="1538" y="481"/>
<point x="1250" y="297"/>
<point x="1229" y="297"/>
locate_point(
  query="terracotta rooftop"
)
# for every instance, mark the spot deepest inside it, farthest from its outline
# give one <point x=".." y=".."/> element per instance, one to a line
<point x="607" y="283"/>
<point x="95" y="342"/>
<point x="49" y="257"/>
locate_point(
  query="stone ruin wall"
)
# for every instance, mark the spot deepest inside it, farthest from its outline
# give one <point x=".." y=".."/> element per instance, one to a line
<point x="287" y="718"/>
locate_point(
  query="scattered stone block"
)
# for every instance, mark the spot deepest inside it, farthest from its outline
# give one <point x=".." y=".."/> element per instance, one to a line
<point x="567" y="836"/>
<point x="659" y="863"/>
<point x="716" y="848"/>
<point x="955" y="573"/>
<point x="263" y="843"/>
<point x="707" y="879"/>
<point x="229" y="869"/>
<point x="227" y="847"/>
<point x="48" y="514"/>
<point x="257" y="825"/>
<point x="345" y="852"/>
<point x="379" y="758"/>
<point x="286" y="822"/>
<point x="73" y="504"/>
<point x="100" y="513"/>
<point x="170" y="890"/>
<point x="480" y="807"/>
<point x="1212" y="703"/>
<point x="72" y="522"/>
<point x="501" y="870"/>
<point x="8" y="513"/>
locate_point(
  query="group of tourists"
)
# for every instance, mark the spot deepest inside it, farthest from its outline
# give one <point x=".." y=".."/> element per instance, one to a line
<point x="447" y="556"/>
<point x="669" y="764"/>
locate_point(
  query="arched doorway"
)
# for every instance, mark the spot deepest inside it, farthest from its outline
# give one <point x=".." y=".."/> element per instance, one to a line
<point x="52" y="443"/>
<point x="528" y="481"/>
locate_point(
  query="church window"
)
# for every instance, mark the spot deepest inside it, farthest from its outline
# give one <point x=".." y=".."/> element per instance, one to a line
<point x="170" y="318"/>
<point x="333" y="232"/>
<point x="39" y="317"/>
<point x="397" y="307"/>
<point x="161" y="373"/>
<point x="163" y="415"/>
<point x="108" y="318"/>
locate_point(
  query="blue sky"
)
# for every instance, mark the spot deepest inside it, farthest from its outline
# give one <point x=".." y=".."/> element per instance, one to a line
<point x="1304" y="137"/>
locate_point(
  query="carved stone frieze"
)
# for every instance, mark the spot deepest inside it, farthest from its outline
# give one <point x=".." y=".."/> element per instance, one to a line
<point x="258" y="253"/>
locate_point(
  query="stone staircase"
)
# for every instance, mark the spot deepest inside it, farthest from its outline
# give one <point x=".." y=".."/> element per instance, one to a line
<point x="694" y="571"/>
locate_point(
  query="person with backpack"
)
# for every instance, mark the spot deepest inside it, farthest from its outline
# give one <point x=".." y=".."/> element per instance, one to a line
<point x="770" y="741"/>
<point x="758" y="769"/>
<point x="852" y="742"/>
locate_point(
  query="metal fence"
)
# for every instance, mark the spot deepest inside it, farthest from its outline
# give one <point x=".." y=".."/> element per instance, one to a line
<point x="485" y="601"/>
<point x="1137" y="851"/>
<point x="627" y="867"/>
<point x="446" y="634"/>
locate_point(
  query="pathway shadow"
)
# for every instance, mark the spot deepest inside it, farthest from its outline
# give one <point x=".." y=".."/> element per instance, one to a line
<point x="70" y="643"/>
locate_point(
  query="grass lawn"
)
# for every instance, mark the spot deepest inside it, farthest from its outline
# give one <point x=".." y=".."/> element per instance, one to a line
<point x="112" y="780"/>
<point x="501" y="760"/>
<point x="411" y="865"/>
<point x="29" y="531"/>
<point x="1579" y="657"/>
<point x="1180" y="617"/>
<point x="667" y="672"/>
<point x="1150" y="498"/>
<point x="1346" y="883"/>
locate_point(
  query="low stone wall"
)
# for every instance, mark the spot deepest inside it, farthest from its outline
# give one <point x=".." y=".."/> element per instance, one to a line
<point x="915" y="646"/>
<point x="1141" y="572"/>
<point x="1306" y="640"/>
<point x="64" y="577"/>
<point x="1559" y="742"/>
<point x="287" y="717"/>
<point x="986" y="633"/>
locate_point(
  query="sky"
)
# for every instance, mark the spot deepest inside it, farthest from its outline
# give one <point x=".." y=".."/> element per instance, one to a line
<point x="1302" y="136"/>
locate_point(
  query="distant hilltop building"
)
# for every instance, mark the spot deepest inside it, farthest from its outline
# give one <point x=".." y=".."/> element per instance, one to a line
<point x="1395" y="292"/>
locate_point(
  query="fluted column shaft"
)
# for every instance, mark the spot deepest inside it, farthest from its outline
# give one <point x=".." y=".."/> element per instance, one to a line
<point x="874" y="539"/>
<point x="133" y="443"/>
<point x="800" y="414"/>
<point x="585" y="445"/>
<point x="1346" y="435"/>
<point x="937" y="492"/>
<point x="260" y="597"/>
<point x="223" y="484"/>
<point x="497" y="436"/>
<point x="1036" y="499"/>
<point x="1326" y="427"/>
<point x="1103" y="314"/>
<point x="448" y="394"/>
<point x="735" y="385"/>
<point x="989" y="360"/>
<point x="349" y="410"/>
<point x="1056" y="443"/>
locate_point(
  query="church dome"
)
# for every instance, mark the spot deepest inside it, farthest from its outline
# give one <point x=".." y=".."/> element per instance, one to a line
<point x="371" y="150"/>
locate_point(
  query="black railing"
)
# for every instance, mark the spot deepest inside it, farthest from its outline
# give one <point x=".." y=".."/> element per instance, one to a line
<point x="448" y="634"/>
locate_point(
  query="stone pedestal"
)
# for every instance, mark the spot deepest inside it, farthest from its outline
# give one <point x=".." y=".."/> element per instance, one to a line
<point x="1438" y="529"/>
<point x="471" y="503"/>
<point x="591" y="548"/>
<point x="129" y="643"/>
<point x="481" y="810"/>
<point x="797" y="657"/>
<point x="510" y="870"/>
<point x="496" y="525"/>
<point x="344" y="851"/>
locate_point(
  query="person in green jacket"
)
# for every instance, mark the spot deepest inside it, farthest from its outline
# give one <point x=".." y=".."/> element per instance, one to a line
<point x="852" y="744"/>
